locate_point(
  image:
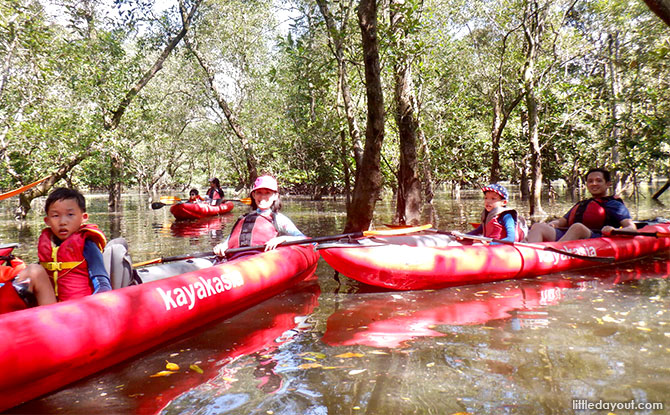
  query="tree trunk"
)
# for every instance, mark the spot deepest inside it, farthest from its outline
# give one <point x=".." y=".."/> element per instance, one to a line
<point x="428" y="184"/>
<point x="614" y="101"/>
<point x="249" y="154"/>
<point x="368" y="177"/>
<point x="115" y="187"/>
<point x="533" y="26"/>
<point x="408" y="206"/>
<point x="336" y="36"/>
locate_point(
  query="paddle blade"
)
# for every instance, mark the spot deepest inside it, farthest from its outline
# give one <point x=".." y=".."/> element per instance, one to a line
<point x="170" y="200"/>
<point x="21" y="189"/>
<point x="157" y="205"/>
<point x="246" y="201"/>
<point x="397" y="231"/>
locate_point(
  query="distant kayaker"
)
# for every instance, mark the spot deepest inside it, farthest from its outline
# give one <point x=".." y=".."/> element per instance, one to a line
<point x="194" y="196"/>
<point x="590" y="218"/>
<point x="497" y="220"/>
<point x="215" y="192"/>
<point x="264" y="225"/>
<point x="69" y="249"/>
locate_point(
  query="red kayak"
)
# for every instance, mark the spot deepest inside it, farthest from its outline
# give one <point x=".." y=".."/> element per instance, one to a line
<point x="426" y="261"/>
<point x="47" y="347"/>
<point x="199" y="210"/>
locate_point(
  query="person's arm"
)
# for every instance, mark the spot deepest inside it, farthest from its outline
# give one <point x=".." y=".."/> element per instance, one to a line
<point x="96" y="268"/>
<point x="220" y="249"/>
<point x="510" y="227"/>
<point x="479" y="230"/>
<point x="619" y="212"/>
<point x="287" y="232"/>
<point x="561" y="222"/>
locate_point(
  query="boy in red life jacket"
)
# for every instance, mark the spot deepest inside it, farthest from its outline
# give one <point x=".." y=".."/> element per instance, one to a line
<point x="69" y="249"/>
<point x="194" y="196"/>
<point x="590" y="218"/>
<point x="264" y="225"/>
<point x="497" y="220"/>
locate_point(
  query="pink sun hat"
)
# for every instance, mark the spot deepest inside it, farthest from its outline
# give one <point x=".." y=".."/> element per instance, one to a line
<point x="265" y="182"/>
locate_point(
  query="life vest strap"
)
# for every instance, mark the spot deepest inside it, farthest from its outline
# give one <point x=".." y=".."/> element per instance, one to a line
<point x="59" y="266"/>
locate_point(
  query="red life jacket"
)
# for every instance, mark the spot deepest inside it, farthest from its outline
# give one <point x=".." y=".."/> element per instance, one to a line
<point x="253" y="229"/>
<point x="10" y="268"/>
<point x="591" y="213"/>
<point x="494" y="228"/>
<point x="66" y="264"/>
<point x="215" y="193"/>
<point x="10" y="300"/>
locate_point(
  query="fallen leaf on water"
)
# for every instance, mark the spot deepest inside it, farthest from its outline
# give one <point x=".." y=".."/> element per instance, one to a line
<point x="309" y="365"/>
<point x="462" y="413"/>
<point x="315" y="354"/>
<point x="162" y="373"/>
<point x="356" y="371"/>
<point x="171" y="366"/>
<point x="311" y="359"/>
<point x="349" y="354"/>
<point x="196" y="368"/>
<point x="643" y="328"/>
<point x="377" y="352"/>
<point x="227" y="379"/>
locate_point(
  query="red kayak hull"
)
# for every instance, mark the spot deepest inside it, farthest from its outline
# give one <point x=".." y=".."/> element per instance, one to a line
<point x="199" y="210"/>
<point x="45" y="348"/>
<point x="403" y="267"/>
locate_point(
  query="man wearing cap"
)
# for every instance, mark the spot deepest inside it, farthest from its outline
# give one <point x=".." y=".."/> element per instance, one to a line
<point x="590" y="218"/>
<point x="264" y="225"/>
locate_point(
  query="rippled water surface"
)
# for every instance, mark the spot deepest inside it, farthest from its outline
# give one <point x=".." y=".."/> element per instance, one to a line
<point x="333" y="346"/>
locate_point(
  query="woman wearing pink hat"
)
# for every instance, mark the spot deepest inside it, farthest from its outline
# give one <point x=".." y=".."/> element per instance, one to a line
<point x="264" y="225"/>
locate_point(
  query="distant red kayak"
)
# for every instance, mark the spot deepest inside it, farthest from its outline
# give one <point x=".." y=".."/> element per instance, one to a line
<point x="47" y="347"/>
<point x="416" y="262"/>
<point x="199" y="210"/>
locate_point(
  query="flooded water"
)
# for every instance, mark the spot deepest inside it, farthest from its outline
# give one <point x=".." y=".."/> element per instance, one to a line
<point x="332" y="346"/>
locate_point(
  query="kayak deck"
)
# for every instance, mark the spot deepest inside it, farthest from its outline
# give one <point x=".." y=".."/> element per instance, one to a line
<point x="420" y="262"/>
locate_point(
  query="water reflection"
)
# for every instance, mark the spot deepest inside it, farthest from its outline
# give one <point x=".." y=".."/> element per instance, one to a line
<point x="393" y="319"/>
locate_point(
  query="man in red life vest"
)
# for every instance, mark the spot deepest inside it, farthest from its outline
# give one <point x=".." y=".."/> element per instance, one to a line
<point x="590" y="218"/>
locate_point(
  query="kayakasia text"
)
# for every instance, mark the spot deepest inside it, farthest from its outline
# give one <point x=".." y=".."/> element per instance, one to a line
<point x="187" y="294"/>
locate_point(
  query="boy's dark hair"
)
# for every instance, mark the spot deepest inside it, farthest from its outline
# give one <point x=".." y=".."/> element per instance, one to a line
<point x="64" y="193"/>
<point x="605" y="173"/>
<point x="193" y="192"/>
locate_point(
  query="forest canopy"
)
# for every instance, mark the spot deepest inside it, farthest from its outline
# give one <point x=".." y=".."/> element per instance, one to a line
<point x="105" y="94"/>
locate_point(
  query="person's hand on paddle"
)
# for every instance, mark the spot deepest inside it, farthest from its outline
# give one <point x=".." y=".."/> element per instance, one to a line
<point x="607" y="230"/>
<point x="220" y="249"/>
<point x="272" y="243"/>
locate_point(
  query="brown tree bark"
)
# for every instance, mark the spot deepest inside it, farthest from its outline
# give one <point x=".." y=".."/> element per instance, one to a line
<point x="408" y="201"/>
<point x="533" y="25"/>
<point x="661" y="8"/>
<point x="368" y="177"/>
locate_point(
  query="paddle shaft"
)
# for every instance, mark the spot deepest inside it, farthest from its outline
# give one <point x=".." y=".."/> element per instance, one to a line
<point x="352" y="235"/>
<point x="163" y="260"/>
<point x="634" y="233"/>
<point x="527" y="245"/>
